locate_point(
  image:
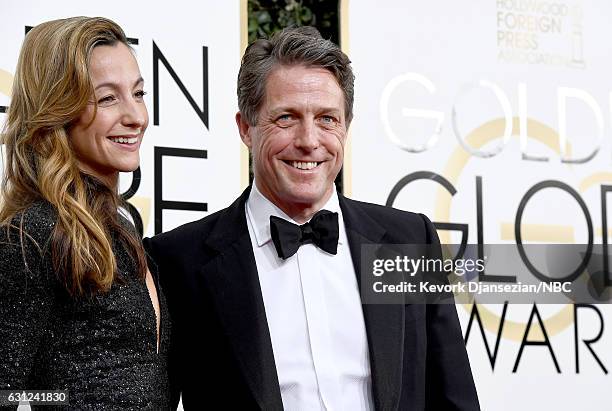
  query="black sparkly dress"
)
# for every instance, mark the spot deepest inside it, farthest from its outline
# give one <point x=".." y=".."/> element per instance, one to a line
<point x="102" y="349"/>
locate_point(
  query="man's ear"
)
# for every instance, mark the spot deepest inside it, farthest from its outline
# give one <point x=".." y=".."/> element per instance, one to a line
<point x="243" y="129"/>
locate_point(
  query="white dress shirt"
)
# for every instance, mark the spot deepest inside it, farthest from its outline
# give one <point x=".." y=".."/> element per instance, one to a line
<point x="314" y="316"/>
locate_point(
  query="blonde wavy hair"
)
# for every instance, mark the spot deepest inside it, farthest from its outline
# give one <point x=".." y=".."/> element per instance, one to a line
<point x="51" y="89"/>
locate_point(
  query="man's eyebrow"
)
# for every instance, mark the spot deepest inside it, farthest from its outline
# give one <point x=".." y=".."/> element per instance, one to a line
<point x="280" y="110"/>
<point x="290" y="109"/>
<point x="330" y="110"/>
<point x="112" y="84"/>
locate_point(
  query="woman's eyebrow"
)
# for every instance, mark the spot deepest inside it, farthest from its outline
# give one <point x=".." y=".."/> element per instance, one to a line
<point x="113" y="84"/>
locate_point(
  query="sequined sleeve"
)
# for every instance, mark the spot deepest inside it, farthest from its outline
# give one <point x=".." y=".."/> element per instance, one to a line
<point x="26" y="298"/>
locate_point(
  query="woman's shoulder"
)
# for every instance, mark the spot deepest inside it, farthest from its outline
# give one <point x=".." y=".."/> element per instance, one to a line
<point x="25" y="250"/>
<point x="33" y="224"/>
<point x="40" y="210"/>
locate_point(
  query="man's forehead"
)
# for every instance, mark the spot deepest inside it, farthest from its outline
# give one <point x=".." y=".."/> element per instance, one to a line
<point x="292" y="72"/>
<point x="295" y="81"/>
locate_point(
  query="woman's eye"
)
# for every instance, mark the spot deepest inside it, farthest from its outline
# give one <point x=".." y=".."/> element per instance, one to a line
<point x="140" y="93"/>
<point x="106" y="100"/>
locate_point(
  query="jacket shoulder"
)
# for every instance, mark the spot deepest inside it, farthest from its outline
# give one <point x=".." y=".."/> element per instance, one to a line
<point x="387" y="212"/>
<point x="189" y="233"/>
<point x="401" y="226"/>
<point x="184" y="244"/>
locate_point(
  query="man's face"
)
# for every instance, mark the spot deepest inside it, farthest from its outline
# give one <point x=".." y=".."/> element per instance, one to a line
<point x="298" y="142"/>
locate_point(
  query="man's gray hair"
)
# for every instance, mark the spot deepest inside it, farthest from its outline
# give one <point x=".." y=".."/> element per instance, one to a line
<point x="290" y="47"/>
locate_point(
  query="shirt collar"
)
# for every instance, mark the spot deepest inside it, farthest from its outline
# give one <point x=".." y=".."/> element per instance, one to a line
<point x="259" y="209"/>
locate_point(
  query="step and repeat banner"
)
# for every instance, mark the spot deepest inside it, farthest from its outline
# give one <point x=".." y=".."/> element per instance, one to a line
<point x="493" y="117"/>
<point x="189" y="55"/>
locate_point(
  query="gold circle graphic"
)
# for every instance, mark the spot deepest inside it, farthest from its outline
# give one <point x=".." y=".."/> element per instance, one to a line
<point x="477" y="138"/>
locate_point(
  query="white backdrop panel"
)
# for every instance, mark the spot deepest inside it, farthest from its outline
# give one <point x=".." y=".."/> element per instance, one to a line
<point x="429" y="74"/>
<point x="178" y="30"/>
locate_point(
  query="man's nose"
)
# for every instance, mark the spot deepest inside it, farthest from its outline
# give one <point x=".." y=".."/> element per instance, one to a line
<point x="306" y="137"/>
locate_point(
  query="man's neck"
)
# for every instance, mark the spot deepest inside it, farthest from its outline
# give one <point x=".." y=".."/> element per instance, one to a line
<point x="300" y="212"/>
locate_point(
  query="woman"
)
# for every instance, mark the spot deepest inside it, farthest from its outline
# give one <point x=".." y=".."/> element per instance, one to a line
<point x="79" y="310"/>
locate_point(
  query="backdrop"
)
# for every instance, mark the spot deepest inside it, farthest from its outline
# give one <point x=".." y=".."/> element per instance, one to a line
<point x="475" y="113"/>
<point x="189" y="54"/>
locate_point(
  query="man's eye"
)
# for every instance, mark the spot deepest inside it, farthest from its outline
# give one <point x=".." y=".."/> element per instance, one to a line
<point x="328" y="119"/>
<point x="284" y="117"/>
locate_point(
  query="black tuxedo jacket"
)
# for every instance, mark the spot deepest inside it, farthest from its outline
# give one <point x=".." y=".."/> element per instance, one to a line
<point x="221" y="355"/>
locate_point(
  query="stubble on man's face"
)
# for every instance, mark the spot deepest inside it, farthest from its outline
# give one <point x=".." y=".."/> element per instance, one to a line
<point x="298" y="142"/>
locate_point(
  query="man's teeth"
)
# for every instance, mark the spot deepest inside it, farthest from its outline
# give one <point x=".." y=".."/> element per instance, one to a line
<point x="304" y="165"/>
<point x="124" y="140"/>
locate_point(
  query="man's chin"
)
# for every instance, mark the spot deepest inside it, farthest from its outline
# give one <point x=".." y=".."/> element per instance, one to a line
<point x="307" y="199"/>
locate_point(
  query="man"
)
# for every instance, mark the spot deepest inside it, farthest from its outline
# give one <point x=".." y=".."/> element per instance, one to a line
<point x="267" y="314"/>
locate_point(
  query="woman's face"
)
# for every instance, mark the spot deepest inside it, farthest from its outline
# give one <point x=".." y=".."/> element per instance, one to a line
<point x="110" y="143"/>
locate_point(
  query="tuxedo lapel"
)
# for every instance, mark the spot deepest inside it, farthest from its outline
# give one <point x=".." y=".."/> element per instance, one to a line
<point x="384" y="322"/>
<point x="232" y="281"/>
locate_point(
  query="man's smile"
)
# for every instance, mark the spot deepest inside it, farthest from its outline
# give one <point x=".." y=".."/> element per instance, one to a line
<point x="303" y="165"/>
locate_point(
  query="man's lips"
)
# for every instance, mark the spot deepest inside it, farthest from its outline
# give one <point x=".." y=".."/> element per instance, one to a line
<point x="303" y="165"/>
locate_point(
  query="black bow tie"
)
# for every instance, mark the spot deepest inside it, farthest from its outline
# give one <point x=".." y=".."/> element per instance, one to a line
<point x="321" y="230"/>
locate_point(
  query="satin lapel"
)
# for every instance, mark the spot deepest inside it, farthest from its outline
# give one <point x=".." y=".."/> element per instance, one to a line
<point x="384" y="322"/>
<point x="233" y="283"/>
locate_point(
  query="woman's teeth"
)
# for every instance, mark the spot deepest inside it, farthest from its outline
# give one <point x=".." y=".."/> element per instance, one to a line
<point x="124" y="140"/>
<point x="304" y="165"/>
